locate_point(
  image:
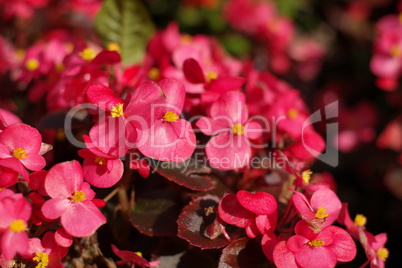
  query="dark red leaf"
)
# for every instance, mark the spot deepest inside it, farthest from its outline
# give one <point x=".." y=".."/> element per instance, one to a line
<point x="197" y="223"/>
<point x="155" y="213"/>
<point x="243" y="253"/>
<point x="190" y="174"/>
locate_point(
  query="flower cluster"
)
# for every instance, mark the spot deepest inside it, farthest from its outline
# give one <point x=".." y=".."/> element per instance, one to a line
<point x="386" y="62"/>
<point x="234" y="141"/>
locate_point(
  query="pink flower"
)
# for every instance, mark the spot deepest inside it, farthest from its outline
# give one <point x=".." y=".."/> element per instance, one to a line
<point x="116" y="132"/>
<point x="7" y="118"/>
<point x="100" y="169"/>
<point x="321" y="211"/>
<point x="314" y="250"/>
<point x="113" y="132"/>
<point x="71" y="200"/>
<point x="46" y="253"/>
<point x="23" y="9"/>
<point x="229" y="148"/>
<point x="140" y="164"/>
<point x="15" y="212"/>
<point x="290" y="112"/>
<point x="254" y="211"/>
<point x="354" y="228"/>
<point x="133" y="257"/>
<point x="375" y="249"/>
<point x="390" y="136"/>
<point x="20" y="146"/>
<point x="169" y="138"/>
<point x="387" y="58"/>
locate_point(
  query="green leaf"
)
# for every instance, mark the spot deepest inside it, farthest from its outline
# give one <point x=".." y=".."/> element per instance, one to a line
<point x="127" y="23"/>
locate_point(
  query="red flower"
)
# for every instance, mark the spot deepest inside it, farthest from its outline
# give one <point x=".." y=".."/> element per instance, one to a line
<point x="20" y="145"/>
<point x="254" y="211"/>
<point x="308" y="249"/>
<point x="321" y="211"/>
<point x="71" y="200"/>
<point x="169" y="138"/>
<point x="15" y="212"/>
<point x="229" y="148"/>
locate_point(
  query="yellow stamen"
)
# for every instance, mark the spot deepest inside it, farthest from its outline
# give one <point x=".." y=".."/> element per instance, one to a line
<point x="113" y="46"/>
<point x="139" y="253"/>
<point x="170" y="116"/>
<point x="321" y="213"/>
<point x="19" y="153"/>
<point x="306" y="176"/>
<point x="382" y="253"/>
<point x="78" y="196"/>
<point x="292" y="113"/>
<point x="186" y="39"/>
<point x="32" y="64"/>
<point x="316" y="243"/>
<point x="395" y="51"/>
<point x="154" y="73"/>
<point x="18" y="226"/>
<point x="87" y="54"/>
<point x="210" y="75"/>
<point x="100" y="160"/>
<point x="117" y="110"/>
<point x="42" y="259"/>
<point x="400" y="18"/>
<point x="238" y="129"/>
<point x="360" y="220"/>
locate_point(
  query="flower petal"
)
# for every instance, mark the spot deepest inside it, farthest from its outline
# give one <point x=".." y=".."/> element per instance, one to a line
<point x="168" y="141"/>
<point x="260" y="203"/>
<point x="55" y="207"/>
<point x="283" y="257"/>
<point x="64" y="179"/>
<point x="22" y="136"/>
<point x="82" y="219"/>
<point x="232" y="212"/>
